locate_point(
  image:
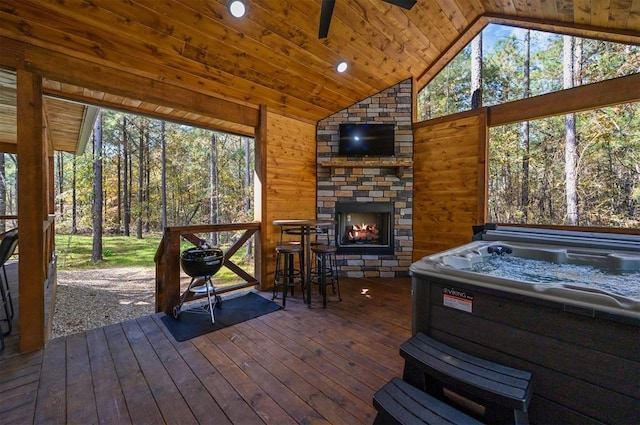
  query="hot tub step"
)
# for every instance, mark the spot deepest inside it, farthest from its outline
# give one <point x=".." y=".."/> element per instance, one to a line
<point x="504" y="392"/>
<point x="399" y="402"/>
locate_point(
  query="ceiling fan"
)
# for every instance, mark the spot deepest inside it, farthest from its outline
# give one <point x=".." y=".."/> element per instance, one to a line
<point x="327" y="11"/>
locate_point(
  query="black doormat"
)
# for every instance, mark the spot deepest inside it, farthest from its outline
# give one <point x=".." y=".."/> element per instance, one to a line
<point x="195" y="322"/>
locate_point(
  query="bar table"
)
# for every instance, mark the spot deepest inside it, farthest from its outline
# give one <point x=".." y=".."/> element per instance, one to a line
<point x="306" y="228"/>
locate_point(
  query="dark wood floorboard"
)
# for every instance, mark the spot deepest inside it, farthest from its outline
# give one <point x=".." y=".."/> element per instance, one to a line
<point x="295" y="366"/>
<point x="111" y="406"/>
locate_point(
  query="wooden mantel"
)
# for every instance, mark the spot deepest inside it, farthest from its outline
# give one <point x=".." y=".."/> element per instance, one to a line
<point x="398" y="163"/>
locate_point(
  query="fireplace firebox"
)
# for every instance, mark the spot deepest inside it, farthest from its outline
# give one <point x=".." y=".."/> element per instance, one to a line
<point x="364" y="227"/>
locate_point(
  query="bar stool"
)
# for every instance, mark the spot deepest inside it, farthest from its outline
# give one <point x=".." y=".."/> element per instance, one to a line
<point x="326" y="270"/>
<point x="287" y="274"/>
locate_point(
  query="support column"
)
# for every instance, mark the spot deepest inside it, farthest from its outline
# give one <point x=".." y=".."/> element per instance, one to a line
<point x="262" y="257"/>
<point x="32" y="210"/>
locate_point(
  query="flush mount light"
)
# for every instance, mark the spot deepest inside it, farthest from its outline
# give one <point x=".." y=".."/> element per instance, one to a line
<point x="342" y="66"/>
<point x="237" y="8"/>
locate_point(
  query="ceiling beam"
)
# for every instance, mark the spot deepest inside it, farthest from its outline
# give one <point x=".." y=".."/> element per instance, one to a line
<point x="8" y="147"/>
<point x="157" y="112"/>
<point x="66" y="69"/>
<point x="582" y="98"/>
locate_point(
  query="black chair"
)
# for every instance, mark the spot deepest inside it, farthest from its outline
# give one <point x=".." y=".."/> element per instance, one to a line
<point x="7" y="248"/>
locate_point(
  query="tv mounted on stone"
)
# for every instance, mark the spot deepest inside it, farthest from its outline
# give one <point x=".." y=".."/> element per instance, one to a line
<point x="362" y="140"/>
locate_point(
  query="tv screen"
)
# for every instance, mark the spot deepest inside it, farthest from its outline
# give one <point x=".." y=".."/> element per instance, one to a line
<point x="366" y="140"/>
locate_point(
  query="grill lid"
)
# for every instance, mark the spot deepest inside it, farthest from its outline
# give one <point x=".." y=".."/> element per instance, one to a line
<point x="201" y="261"/>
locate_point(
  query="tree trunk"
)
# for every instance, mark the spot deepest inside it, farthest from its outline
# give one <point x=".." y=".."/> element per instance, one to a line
<point x="130" y="189"/>
<point x="570" y="145"/>
<point x="96" y="252"/>
<point x="140" y="182"/>
<point x="247" y="188"/>
<point x="213" y="188"/>
<point x="3" y="193"/>
<point x="476" y="72"/>
<point x="119" y="189"/>
<point x="126" y="181"/>
<point x="525" y="130"/>
<point x="74" y="200"/>
<point x="427" y="103"/>
<point x="147" y="185"/>
<point x="163" y="176"/>
<point x="61" y="182"/>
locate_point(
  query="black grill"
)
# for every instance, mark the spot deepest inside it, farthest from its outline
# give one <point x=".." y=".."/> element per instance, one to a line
<point x="197" y="262"/>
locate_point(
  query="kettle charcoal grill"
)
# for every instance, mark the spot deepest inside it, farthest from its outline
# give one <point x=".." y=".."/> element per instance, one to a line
<point x="200" y="264"/>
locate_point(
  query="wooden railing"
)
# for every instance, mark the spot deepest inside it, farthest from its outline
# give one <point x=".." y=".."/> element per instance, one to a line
<point x="12" y="220"/>
<point x="167" y="260"/>
<point x="49" y="244"/>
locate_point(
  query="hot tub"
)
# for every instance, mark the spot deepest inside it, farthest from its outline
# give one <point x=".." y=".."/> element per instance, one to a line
<point x="569" y="312"/>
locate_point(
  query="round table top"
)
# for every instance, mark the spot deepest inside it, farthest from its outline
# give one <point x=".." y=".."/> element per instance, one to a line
<point x="304" y="222"/>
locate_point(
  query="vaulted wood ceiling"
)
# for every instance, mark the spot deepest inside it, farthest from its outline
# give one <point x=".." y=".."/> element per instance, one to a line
<point x="273" y="57"/>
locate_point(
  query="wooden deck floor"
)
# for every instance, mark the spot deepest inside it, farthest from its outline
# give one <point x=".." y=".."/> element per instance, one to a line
<point x="297" y="365"/>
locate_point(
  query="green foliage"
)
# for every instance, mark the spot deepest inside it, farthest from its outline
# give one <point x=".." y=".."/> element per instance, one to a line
<point x="449" y="91"/>
<point x="190" y="153"/>
<point x="608" y="169"/>
<point x="608" y="139"/>
<point x="74" y="252"/>
<point x="503" y="68"/>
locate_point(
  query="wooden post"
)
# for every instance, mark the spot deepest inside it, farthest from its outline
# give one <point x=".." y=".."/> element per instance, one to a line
<point x="259" y="193"/>
<point x="32" y="210"/>
<point x="172" y="285"/>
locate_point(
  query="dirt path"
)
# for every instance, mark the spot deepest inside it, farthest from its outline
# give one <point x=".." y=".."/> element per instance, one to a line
<point x="87" y="299"/>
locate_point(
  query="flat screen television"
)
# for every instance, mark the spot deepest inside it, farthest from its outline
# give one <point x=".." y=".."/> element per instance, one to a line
<point x="366" y="140"/>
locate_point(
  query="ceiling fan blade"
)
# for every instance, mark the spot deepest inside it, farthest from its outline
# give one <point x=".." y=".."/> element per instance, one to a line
<point x="325" y="17"/>
<point x="405" y="4"/>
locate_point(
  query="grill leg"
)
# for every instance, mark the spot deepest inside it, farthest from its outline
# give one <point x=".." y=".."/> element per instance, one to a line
<point x="207" y="281"/>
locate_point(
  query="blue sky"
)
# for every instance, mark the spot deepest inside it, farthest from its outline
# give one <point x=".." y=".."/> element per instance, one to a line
<point x="493" y="32"/>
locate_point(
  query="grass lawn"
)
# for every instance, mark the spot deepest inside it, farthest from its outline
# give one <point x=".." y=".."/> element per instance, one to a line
<point x="74" y="252"/>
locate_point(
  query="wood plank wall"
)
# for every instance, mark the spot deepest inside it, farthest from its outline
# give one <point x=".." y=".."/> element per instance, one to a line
<point x="289" y="186"/>
<point x="450" y="154"/>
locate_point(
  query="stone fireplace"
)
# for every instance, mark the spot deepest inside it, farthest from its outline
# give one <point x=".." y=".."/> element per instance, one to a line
<point x="371" y="199"/>
<point x="364" y="228"/>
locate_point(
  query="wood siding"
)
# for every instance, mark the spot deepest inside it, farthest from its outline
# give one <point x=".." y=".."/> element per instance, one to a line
<point x="450" y="193"/>
<point x="289" y="186"/>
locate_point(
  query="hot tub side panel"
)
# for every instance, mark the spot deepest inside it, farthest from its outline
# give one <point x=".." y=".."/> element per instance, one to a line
<point x="586" y="368"/>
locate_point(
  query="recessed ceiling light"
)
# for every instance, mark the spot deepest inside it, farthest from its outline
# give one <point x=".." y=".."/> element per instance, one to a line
<point x="237" y="8"/>
<point x="342" y="66"/>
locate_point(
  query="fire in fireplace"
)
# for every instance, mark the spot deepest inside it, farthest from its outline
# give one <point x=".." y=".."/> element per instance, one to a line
<point x="363" y="232"/>
<point x="364" y="227"/>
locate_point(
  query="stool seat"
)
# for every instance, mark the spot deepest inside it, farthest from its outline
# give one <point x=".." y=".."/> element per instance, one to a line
<point x="289" y="247"/>
<point x="324" y="249"/>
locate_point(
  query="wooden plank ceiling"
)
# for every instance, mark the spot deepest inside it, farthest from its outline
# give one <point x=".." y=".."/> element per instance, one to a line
<point x="64" y="121"/>
<point x="273" y="56"/>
